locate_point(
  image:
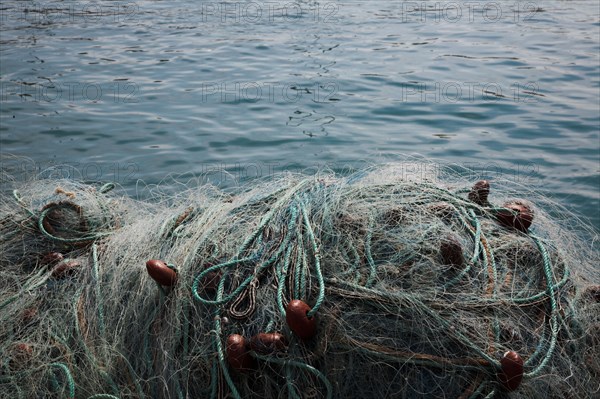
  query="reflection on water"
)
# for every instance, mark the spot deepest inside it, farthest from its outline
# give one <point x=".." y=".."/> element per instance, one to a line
<point x="179" y="87"/>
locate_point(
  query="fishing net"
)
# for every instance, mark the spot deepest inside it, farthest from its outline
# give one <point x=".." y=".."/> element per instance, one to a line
<point x="363" y="286"/>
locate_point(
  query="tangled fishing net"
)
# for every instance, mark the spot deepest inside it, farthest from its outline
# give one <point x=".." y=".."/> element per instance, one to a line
<point x="366" y="286"/>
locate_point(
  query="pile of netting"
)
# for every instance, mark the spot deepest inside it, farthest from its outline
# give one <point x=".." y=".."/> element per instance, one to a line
<point x="365" y="286"/>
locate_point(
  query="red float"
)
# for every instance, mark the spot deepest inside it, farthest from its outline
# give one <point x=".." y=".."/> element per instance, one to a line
<point x="512" y="370"/>
<point x="161" y="273"/>
<point x="238" y="354"/>
<point x="479" y="193"/>
<point x="296" y="316"/>
<point x="267" y="343"/>
<point x="518" y="215"/>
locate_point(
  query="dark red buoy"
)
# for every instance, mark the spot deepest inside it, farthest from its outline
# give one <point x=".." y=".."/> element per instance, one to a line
<point x="298" y="320"/>
<point x="479" y="192"/>
<point x="238" y="354"/>
<point x="267" y="343"/>
<point x="161" y="273"/>
<point x="512" y="370"/>
<point x="451" y="250"/>
<point x="518" y="215"/>
<point x="65" y="269"/>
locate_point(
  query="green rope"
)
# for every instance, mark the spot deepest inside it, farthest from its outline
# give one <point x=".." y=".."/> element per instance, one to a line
<point x="107" y="187"/>
<point x="225" y="265"/>
<point x="219" y="345"/>
<point x="478" y="391"/>
<point x="70" y="382"/>
<point x="281" y="277"/>
<point x="235" y="262"/>
<point x="304" y="274"/>
<point x="317" y="255"/>
<point x="536" y="297"/>
<point x="298" y="268"/>
<point x="292" y="392"/>
<point x="283" y="269"/>
<point x="553" y="306"/>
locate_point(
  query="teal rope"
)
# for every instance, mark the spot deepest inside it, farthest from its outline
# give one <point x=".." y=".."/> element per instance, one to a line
<point x="298" y="268"/>
<point x="317" y="255"/>
<point x="292" y="392"/>
<point x="281" y="277"/>
<point x="491" y="395"/>
<point x="553" y="306"/>
<point x="219" y="345"/>
<point x="478" y="391"/>
<point x="539" y="349"/>
<point x="282" y="271"/>
<point x="225" y="265"/>
<point x="54" y="383"/>
<point x="178" y="388"/>
<point x="304" y="274"/>
<point x="234" y="262"/>
<point x="102" y="396"/>
<point x="70" y="381"/>
<point x="540" y="295"/>
<point x="107" y="187"/>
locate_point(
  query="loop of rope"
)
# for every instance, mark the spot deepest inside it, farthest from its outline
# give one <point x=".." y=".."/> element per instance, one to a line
<point x="78" y="240"/>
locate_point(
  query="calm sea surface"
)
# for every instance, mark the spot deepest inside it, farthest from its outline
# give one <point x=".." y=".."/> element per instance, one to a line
<point x="123" y="91"/>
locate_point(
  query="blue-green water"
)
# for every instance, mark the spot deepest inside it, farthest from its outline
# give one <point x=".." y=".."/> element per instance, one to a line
<point x="124" y="91"/>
